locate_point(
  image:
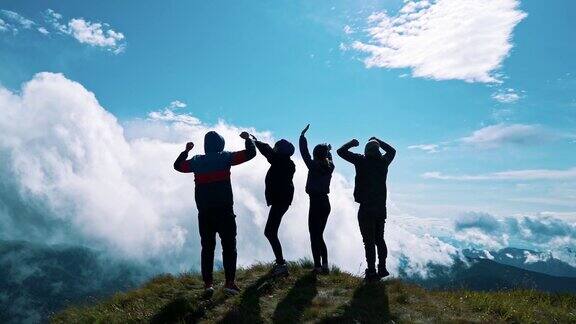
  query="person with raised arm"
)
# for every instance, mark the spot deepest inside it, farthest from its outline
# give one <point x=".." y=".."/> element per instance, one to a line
<point x="279" y="193"/>
<point x="370" y="192"/>
<point x="214" y="200"/>
<point x="320" y="168"/>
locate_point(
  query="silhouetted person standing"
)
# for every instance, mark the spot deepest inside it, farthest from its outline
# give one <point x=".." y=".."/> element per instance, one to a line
<point x="370" y="193"/>
<point x="214" y="200"/>
<point x="279" y="194"/>
<point x="317" y="187"/>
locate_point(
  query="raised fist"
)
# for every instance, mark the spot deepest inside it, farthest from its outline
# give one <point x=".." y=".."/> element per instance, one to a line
<point x="189" y="146"/>
<point x="354" y="142"/>
<point x="305" y="129"/>
<point x="245" y="135"/>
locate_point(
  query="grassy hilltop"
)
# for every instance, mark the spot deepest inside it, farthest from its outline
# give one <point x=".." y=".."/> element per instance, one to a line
<point x="337" y="298"/>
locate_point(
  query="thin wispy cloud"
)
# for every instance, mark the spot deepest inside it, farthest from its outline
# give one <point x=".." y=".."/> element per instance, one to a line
<point x="498" y="136"/>
<point x="167" y="114"/>
<point x="501" y="134"/>
<point x="506" y="96"/>
<point x="444" y="39"/>
<point x="348" y="30"/>
<point x="43" y="30"/>
<point x="3" y="25"/>
<point x="523" y="175"/>
<point x="428" y="148"/>
<point x="96" y="34"/>
<point x="18" y="19"/>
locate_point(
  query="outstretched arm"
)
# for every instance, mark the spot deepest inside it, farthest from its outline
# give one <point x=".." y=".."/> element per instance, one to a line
<point x="247" y="154"/>
<point x="303" y="143"/>
<point x="264" y="149"/>
<point x="390" y="151"/>
<point x="344" y="151"/>
<point x="181" y="164"/>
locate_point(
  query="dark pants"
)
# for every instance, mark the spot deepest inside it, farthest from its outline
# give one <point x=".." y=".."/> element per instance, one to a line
<point x="317" y="218"/>
<point x="372" y="220"/>
<point x="222" y="221"/>
<point x="271" y="230"/>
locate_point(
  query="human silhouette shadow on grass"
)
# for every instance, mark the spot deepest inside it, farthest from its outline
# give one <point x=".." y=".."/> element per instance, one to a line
<point x="185" y="309"/>
<point x="248" y="310"/>
<point x="369" y="304"/>
<point x="299" y="297"/>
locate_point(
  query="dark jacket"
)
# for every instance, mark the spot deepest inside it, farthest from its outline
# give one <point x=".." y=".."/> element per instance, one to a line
<point x="319" y="173"/>
<point x="279" y="186"/>
<point x="212" y="171"/>
<point x="371" y="173"/>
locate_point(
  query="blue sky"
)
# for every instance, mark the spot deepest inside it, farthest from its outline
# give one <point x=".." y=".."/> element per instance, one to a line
<point x="280" y="65"/>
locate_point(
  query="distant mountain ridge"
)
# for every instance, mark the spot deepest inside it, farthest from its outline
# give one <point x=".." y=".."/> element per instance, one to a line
<point x="509" y="268"/>
<point x="542" y="262"/>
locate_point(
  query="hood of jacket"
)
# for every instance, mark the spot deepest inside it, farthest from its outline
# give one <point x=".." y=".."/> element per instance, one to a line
<point x="213" y="142"/>
<point x="372" y="149"/>
<point x="284" y="147"/>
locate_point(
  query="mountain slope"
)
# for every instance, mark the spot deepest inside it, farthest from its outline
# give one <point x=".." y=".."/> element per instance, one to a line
<point x="337" y="298"/>
<point x="488" y="275"/>
<point x="36" y="279"/>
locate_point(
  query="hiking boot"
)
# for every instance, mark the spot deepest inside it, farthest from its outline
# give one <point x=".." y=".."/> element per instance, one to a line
<point x="208" y="290"/>
<point x="370" y="275"/>
<point x="231" y="288"/>
<point x="383" y="272"/>
<point x="325" y="270"/>
<point x="317" y="270"/>
<point x="279" y="270"/>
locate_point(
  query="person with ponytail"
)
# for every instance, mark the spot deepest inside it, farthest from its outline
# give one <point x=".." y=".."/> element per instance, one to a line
<point x="320" y="168"/>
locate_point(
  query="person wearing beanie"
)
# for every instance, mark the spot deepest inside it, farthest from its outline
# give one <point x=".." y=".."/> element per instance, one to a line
<point x="279" y="193"/>
<point x="320" y="169"/>
<point x="370" y="193"/>
<point x="214" y="200"/>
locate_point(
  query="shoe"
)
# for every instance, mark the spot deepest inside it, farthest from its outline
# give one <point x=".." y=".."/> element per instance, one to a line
<point x="279" y="270"/>
<point x="370" y="275"/>
<point x="208" y="290"/>
<point x="383" y="273"/>
<point x="231" y="288"/>
<point x="325" y="270"/>
<point x="317" y="270"/>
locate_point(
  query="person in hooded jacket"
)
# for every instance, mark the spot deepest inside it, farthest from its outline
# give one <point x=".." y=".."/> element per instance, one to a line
<point x="214" y="200"/>
<point x="279" y="193"/>
<point x="320" y="170"/>
<point x="370" y="193"/>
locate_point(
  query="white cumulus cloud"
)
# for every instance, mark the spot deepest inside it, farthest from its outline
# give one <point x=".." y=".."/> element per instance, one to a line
<point x="95" y="34"/>
<point x="444" y="39"/>
<point x="71" y="173"/>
